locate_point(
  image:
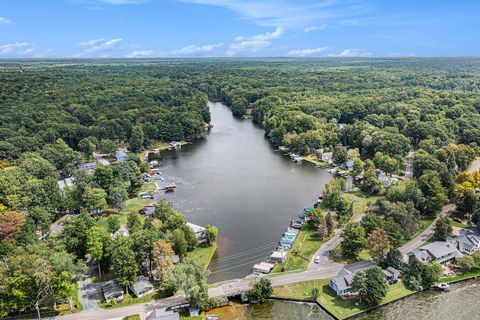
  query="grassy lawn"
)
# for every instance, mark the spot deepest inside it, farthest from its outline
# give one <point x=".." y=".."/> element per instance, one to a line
<point x="300" y="260"/>
<point x="360" y="202"/>
<point x="130" y="300"/>
<point x="362" y="256"/>
<point x="148" y="186"/>
<point x="466" y="275"/>
<point x="134" y="204"/>
<point x="203" y="254"/>
<point x="338" y="306"/>
<point x="132" y="317"/>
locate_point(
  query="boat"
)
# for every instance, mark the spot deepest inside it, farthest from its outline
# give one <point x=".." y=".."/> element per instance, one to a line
<point x="297" y="158"/>
<point x="443" y="286"/>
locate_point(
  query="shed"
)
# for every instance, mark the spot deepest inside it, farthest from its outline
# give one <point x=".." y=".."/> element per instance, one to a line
<point x="141" y="287"/>
<point x="112" y="291"/>
<point x="260" y="268"/>
<point x="391" y="274"/>
<point x="159" y="314"/>
<point x="279" y="256"/>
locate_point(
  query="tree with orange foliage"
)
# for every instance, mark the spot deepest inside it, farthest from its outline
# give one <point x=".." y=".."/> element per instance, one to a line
<point x="162" y="253"/>
<point x="11" y="222"/>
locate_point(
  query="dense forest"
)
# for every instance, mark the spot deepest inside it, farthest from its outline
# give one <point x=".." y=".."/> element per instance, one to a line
<point x="54" y="114"/>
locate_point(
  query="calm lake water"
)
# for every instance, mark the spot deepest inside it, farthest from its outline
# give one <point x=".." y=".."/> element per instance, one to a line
<point x="460" y="303"/>
<point x="234" y="179"/>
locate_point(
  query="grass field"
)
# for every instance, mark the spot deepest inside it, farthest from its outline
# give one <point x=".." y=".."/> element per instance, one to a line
<point x="338" y="306"/>
<point x="130" y="300"/>
<point x="202" y="255"/>
<point x="132" y="317"/>
<point x="360" y="202"/>
<point x="305" y="246"/>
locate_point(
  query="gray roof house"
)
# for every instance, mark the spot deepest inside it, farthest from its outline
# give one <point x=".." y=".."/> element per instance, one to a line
<point x="141" y="287"/>
<point x="200" y="232"/>
<point x="439" y="251"/>
<point x="391" y="274"/>
<point x="122" y="231"/>
<point x="342" y="283"/>
<point x="159" y="314"/>
<point x="112" y="291"/>
<point x="88" y="167"/>
<point x="467" y="242"/>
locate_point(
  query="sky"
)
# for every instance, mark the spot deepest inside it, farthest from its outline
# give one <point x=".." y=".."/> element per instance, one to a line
<point x="238" y="28"/>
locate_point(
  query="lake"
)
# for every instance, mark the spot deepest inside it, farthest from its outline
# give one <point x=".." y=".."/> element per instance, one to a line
<point x="459" y="303"/>
<point x="234" y="179"/>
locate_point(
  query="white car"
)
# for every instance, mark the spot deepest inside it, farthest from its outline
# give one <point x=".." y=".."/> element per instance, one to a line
<point x="317" y="259"/>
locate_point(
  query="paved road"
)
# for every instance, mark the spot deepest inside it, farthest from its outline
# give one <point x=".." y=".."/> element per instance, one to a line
<point x="427" y="233"/>
<point x="325" y="269"/>
<point x="89" y="292"/>
<point x="475" y="166"/>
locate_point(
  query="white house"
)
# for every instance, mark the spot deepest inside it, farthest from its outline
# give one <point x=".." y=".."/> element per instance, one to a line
<point x="327" y="157"/>
<point x="122" y="231"/>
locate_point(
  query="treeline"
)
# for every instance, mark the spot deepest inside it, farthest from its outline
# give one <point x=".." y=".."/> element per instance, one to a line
<point x="134" y="104"/>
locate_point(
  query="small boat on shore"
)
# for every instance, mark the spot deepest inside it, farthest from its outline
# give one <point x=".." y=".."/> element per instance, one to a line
<point x="443" y="286"/>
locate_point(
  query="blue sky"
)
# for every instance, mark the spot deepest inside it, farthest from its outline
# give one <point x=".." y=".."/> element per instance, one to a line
<point x="196" y="28"/>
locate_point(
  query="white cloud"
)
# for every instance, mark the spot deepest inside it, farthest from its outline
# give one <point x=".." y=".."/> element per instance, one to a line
<point x="287" y="13"/>
<point x="192" y="50"/>
<point x="352" y="53"/>
<point x="254" y="43"/>
<point x="4" y="20"/>
<point x="101" y="44"/>
<point x="315" y="28"/>
<point x="307" y="52"/>
<point x="16" y="49"/>
<point x="141" y="54"/>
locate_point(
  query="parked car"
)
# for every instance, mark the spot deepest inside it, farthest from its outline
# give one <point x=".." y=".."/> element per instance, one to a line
<point x="317" y="259"/>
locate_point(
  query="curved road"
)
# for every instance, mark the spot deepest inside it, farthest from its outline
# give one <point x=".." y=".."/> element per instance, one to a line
<point x="325" y="269"/>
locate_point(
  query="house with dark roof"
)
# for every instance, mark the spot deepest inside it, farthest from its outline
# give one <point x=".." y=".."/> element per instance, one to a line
<point x="159" y="314"/>
<point x="467" y="242"/>
<point x="391" y="274"/>
<point x="141" y="287"/>
<point x="342" y="283"/>
<point x="112" y="291"/>
<point x="438" y="251"/>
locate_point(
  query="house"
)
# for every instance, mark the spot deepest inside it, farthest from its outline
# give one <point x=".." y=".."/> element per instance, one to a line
<point x="65" y="183"/>
<point x="120" y="155"/>
<point x="112" y="291"/>
<point x="382" y="177"/>
<point x="122" y="231"/>
<point x="391" y="274"/>
<point x="159" y="314"/>
<point x="439" y="251"/>
<point x="342" y="283"/>
<point x="200" y="232"/>
<point x="141" y="287"/>
<point x="348" y="165"/>
<point x="327" y="157"/>
<point x="88" y="167"/>
<point x="467" y="242"/>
